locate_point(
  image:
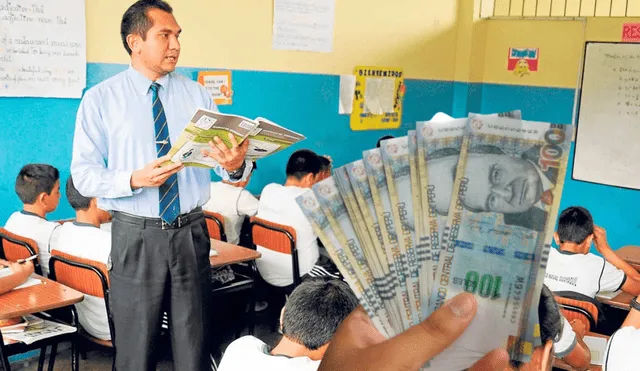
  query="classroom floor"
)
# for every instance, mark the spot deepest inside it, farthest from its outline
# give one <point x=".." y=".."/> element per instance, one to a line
<point x="99" y="359"/>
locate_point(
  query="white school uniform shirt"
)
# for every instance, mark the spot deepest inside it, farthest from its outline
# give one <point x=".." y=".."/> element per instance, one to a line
<point x="88" y="242"/>
<point x="250" y="353"/>
<point x="278" y="204"/>
<point x="35" y="227"/>
<point x="586" y="274"/>
<point x="622" y="353"/>
<point x="234" y="204"/>
<point x="567" y="341"/>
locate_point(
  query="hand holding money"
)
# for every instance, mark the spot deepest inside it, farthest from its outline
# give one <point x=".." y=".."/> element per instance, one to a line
<point x="357" y="345"/>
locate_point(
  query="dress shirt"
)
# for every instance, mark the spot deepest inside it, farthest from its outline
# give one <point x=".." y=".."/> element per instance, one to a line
<point x="115" y="135"/>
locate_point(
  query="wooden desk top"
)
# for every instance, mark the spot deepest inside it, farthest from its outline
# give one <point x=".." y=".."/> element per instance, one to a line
<point x="630" y="254"/>
<point x="37" y="298"/>
<point x="231" y="254"/>
<point x="621" y="301"/>
<point x="562" y="365"/>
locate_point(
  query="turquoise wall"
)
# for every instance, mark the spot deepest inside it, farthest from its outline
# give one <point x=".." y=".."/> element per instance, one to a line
<point x="41" y="129"/>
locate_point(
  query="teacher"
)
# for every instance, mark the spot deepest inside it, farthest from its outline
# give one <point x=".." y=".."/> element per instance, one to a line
<point x="160" y="245"/>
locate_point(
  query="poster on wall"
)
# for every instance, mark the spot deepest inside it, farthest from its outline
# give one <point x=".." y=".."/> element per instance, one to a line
<point x="218" y="84"/>
<point x="631" y="32"/>
<point x="42" y="48"/>
<point x="522" y="61"/>
<point x="377" y="99"/>
<point x="303" y="25"/>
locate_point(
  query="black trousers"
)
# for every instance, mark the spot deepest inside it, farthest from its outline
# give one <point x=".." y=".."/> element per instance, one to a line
<point x="152" y="271"/>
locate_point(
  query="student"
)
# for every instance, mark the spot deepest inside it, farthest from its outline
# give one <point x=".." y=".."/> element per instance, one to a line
<point x="85" y="239"/>
<point x="233" y="202"/>
<point x="19" y="274"/>
<point x="308" y="322"/>
<point x="573" y="268"/>
<point x="278" y="204"/>
<point x="325" y="168"/>
<point x="622" y="350"/>
<point x="38" y="187"/>
<point x="357" y="345"/>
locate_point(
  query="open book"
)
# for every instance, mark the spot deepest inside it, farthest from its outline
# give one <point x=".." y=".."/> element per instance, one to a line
<point x="265" y="137"/>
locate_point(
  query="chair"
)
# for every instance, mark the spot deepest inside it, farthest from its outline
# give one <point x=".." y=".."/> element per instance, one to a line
<point x="279" y="238"/>
<point x="574" y="307"/>
<point x="90" y="278"/>
<point x="215" y="225"/>
<point x="14" y="247"/>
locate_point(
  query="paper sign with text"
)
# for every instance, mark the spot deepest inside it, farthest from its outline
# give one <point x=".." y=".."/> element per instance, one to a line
<point x="631" y="32"/>
<point x="218" y="84"/>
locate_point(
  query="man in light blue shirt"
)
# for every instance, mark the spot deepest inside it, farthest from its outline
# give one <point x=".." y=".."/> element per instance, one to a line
<point x="160" y="245"/>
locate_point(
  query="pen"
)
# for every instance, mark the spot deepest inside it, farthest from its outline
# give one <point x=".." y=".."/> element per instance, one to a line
<point x="22" y="261"/>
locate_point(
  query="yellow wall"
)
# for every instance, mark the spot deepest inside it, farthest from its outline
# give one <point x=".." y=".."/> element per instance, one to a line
<point x="561" y="46"/>
<point x="415" y="35"/>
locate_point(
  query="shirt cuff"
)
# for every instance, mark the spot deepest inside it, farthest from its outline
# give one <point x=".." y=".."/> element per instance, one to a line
<point x="123" y="184"/>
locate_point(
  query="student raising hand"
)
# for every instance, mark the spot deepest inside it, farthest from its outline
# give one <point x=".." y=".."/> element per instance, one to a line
<point x="357" y="345"/>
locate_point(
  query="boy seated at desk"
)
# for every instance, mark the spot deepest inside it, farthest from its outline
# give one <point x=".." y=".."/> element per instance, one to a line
<point x="308" y="322"/>
<point x="573" y="268"/>
<point x="622" y="350"/>
<point x="278" y="205"/>
<point x="85" y="239"/>
<point x="38" y="187"/>
<point x="234" y="202"/>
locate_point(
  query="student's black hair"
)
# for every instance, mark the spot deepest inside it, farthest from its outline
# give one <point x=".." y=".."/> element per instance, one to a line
<point x="76" y="200"/>
<point x="303" y="162"/>
<point x="315" y="309"/>
<point x="383" y="138"/>
<point x="325" y="164"/>
<point x="35" y="179"/>
<point x="550" y="320"/>
<point x="136" y="21"/>
<point x="575" y="224"/>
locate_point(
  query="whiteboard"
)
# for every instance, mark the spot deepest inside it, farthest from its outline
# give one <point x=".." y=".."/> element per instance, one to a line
<point x="607" y="148"/>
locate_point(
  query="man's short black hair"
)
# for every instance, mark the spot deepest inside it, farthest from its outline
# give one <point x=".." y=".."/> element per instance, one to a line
<point x="35" y="179"/>
<point x="550" y="320"/>
<point x="303" y="162"/>
<point x="383" y="138"/>
<point x="575" y="224"/>
<point x="76" y="200"/>
<point x="325" y="164"/>
<point x="315" y="309"/>
<point x="136" y="21"/>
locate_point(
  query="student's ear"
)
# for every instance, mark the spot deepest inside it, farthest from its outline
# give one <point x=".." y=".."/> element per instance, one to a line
<point x="280" y="328"/>
<point x="556" y="237"/>
<point x="587" y="243"/>
<point x="41" y="199"/>
<point x="309" y="180"/>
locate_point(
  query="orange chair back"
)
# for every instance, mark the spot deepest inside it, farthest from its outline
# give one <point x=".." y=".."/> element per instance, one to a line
<point x="15" y="247"/>
<point x="273" y="236"/>
<point x="215" y="225"/>
<point x="82" y="276"/>
<point x="581" y="310"/>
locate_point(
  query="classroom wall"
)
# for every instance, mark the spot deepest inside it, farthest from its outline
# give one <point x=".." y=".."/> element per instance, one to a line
<point x="296" y="89"/>
<point x="549" y="95"/>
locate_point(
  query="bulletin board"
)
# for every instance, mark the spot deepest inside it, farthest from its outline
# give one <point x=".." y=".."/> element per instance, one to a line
<point x="377" y="101"/>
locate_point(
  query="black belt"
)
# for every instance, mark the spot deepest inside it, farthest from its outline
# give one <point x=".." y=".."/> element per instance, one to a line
<point x="145" y="222"/>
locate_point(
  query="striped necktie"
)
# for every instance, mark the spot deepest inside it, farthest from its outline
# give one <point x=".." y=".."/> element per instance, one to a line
<point x="168" y="192"/>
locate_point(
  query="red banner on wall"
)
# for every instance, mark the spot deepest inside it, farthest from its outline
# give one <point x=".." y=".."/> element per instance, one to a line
<point x="631" y="32"/>
<point x="520" y="56"/>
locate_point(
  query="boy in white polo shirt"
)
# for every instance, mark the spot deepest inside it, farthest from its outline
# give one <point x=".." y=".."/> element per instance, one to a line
<point x="622" y="350"/>
<point x="573" y="268"/>
<point x="308" y="322"/>
<point x="38" y="187"/>
<point x="85" y="239"/>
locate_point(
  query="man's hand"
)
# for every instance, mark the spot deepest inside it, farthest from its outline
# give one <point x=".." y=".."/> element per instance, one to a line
<point x="357" y="345"/>
<point x="153" y="175"/>
<point x="600" y="238"/>
<point x="579" y="327"/>
<point x="231" y="159"/>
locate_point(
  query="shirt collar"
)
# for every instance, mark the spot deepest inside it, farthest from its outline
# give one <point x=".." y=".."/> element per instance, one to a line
<point x="141" y="83"/>
<point x="23" y="212"/>
<point x="81" y="224"/>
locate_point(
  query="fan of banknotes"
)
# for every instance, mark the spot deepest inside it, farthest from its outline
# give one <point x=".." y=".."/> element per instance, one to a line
<point x="457" y="205"/>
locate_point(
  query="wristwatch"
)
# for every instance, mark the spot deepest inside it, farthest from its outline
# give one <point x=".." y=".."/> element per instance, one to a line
<point x="237" y="174"/>
<point x="634" y="304"/>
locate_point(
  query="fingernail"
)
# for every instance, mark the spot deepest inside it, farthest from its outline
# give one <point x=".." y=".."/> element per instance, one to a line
<point x="462" y="305"/>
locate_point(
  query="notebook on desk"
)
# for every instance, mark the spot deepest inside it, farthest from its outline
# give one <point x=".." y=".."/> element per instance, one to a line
<point x="597" y="346"/>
